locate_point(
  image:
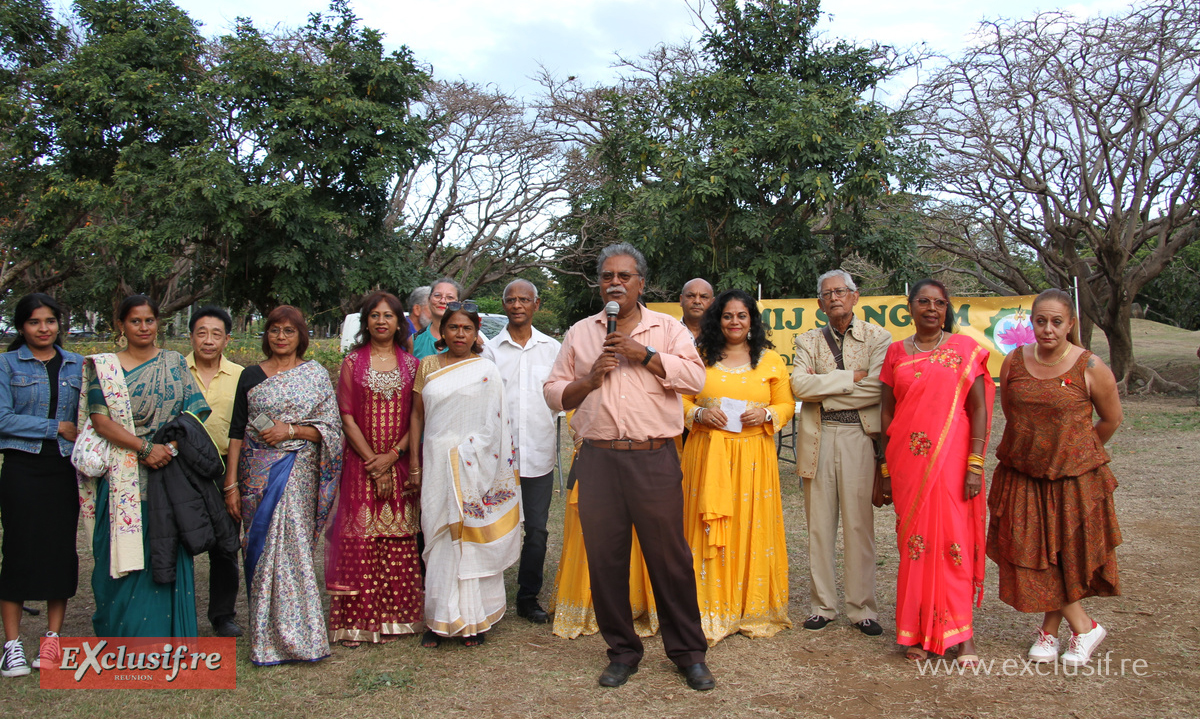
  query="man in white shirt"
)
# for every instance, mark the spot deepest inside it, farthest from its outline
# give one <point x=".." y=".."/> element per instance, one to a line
<point x="524" y="356"/>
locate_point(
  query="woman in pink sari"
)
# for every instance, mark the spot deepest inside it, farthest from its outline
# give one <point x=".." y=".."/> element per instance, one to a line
<point x="936" y="415"/>
<point x="372" y="566"/>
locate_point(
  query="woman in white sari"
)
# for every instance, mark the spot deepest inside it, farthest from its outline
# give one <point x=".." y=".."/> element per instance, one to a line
<point x="470" y="497"/>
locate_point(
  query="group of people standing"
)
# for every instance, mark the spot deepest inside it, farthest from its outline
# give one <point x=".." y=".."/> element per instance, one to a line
<point x="439" y="449"/>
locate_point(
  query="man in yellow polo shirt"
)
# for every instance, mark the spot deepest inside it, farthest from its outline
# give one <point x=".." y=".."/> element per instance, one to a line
<point x="218" y="379"/>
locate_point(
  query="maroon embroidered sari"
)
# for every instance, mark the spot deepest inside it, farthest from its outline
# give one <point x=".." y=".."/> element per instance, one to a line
<point x="940" y="534"/>
<point x="372" y="567"/>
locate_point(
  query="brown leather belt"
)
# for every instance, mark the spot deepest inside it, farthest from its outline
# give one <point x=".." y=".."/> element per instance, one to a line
<point x="627" y="443"/>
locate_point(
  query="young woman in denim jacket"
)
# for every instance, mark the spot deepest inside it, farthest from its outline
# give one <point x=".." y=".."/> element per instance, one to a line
<point x="39" y="499"/>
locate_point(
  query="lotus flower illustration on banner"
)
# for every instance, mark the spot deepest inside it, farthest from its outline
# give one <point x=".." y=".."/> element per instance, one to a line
<point x="1010" y="329"/>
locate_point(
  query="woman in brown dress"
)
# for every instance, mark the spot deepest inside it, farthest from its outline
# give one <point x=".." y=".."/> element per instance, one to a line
<point x="1053" y="531"/>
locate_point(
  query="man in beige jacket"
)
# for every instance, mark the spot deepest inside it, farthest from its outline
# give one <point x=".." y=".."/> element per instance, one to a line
<point x="836" y="454"/>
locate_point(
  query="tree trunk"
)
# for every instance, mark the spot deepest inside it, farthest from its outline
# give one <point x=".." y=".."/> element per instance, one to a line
<point x="1120" y="355"/>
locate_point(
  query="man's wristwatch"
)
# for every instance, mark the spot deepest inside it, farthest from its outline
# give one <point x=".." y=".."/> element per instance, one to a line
<point x="650" y="352"/>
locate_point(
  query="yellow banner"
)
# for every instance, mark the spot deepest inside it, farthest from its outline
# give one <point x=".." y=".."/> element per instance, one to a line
<point x="998" y="323"/>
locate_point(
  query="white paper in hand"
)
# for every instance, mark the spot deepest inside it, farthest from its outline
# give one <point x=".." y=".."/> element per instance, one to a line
<point x="733" y="409"/>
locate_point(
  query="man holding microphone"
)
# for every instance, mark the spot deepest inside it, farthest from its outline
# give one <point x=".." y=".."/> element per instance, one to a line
<point x="623" y="371"/>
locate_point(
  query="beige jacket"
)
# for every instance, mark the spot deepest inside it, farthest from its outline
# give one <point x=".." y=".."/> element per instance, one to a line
<point x="863" y="348"/>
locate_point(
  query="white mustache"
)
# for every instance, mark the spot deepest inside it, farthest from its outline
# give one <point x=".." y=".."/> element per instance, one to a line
<point x="614" y="291"/>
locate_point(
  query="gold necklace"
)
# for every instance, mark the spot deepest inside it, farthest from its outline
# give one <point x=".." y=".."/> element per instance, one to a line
<point x="1044" y="363"/>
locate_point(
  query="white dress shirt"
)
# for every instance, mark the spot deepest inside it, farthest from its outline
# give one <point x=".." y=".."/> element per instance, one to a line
<point x="524" y="370"/>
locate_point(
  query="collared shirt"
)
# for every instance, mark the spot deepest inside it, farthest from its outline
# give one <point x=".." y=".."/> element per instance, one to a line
<point x="219" y="395"/>
<point x="525" y="370"/>
<point x="632" y="403"/>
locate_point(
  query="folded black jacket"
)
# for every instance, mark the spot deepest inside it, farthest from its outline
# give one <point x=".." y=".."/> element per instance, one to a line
<point x="184" y="505"/>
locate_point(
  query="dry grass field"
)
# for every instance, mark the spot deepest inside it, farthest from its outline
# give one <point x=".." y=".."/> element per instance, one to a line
<point x="525" y="671"/>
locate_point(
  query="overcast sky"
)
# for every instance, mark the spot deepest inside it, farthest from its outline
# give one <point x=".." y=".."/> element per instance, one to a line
<point x="488" y="41"/>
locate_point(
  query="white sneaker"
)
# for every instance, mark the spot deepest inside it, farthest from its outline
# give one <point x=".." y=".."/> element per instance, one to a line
<point x="13" y="664"/>
<point x="49" y="653"/>
<point x="1080" y="649"/>
<point x="1044" y="649"/>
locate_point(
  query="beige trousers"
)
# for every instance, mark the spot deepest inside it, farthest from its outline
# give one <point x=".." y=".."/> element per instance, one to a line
<point x="845" y="477"/>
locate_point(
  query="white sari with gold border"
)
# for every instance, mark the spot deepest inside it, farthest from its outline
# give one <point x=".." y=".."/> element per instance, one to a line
<point x="470" y="496"/>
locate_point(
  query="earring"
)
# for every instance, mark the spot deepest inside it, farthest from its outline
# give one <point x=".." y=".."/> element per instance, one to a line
<point x="121" y="341"/>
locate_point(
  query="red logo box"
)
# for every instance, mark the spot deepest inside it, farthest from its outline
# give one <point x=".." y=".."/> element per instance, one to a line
<point x="143" y="663"/>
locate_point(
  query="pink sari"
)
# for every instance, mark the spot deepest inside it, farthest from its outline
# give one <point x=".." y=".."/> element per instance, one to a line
<point x="940" y="535"/>
<point x="372" y="567"/>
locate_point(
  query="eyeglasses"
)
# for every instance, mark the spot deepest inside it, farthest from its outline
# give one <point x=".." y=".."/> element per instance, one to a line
<point x="836" y="292"/>
<point x="510" y="301"/>
<point x="283" y="331"/>
<point x="467" y="306"/>
<point x="925" y="303"/>
<point x="624" y="277"/>
<point x="443" y="296"/>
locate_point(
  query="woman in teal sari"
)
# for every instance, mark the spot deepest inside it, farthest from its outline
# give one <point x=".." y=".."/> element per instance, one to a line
<point x="129" y="396"/>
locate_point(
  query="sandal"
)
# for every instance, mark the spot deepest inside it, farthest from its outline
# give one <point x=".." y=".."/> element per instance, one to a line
<point x="915" y="654"/>
<point x="475" y="640"/>
<point x="350" y="644"/>
<point x="431" y="639"/>
<point x="969" y="661"/>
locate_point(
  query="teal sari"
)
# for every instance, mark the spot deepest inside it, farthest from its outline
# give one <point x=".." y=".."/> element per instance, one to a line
<point x="134" y="605"/>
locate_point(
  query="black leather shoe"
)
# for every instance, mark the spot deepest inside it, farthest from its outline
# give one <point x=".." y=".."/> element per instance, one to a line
<point x="227" y="628"/>
<point x="698" y="677"/>
<point x="816" y="621"/>
<point x="870" y="627"/>
<point x="616" y="674"/>
<point x="534" y="613"/>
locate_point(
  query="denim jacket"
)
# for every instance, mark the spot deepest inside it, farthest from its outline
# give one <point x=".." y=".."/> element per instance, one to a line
<point x="25" y="399"/>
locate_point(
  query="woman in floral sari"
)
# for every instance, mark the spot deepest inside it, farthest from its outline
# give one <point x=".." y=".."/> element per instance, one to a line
<point x="470" y="501"/>
<point x="936" y="415"/>
<point x="128" y="397"/>
<point x="372" y="566"/>
<point x="285" y="455"/>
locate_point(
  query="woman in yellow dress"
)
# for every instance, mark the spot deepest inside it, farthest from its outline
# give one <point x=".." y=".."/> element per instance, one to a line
<point x="733" y="511"/>
<point x="572" y="604"/>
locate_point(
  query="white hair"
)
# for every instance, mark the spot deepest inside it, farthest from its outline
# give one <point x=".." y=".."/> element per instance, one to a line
<point x="520" y="281"/>
<point x="836" y="273"/>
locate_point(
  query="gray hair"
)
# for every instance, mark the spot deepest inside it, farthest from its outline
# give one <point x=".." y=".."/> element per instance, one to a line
<point x="621" y="248"/>
<point x="836" y="273"/>
<point x="520" y="280"/>
<point x="419" y="296"/>
<point x="447" y="281"/>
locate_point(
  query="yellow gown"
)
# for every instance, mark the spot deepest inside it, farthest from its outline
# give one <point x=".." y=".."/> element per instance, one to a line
<point x="732" y="507"/>
<point x="572" y="603"/>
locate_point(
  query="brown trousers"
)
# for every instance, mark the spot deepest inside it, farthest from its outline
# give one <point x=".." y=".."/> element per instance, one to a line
<point x="624" y="489"/>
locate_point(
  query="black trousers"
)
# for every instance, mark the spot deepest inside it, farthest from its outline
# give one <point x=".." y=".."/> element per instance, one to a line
<point x="222" y="582"/>
<point x="535" y="500"/>
<point x="624" y="489"/>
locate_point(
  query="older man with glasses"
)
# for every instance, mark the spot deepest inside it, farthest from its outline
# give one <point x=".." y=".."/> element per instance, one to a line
<point x="836" y="376"/>
<point x="524" y="357"/>
<point x="624" y="374"/>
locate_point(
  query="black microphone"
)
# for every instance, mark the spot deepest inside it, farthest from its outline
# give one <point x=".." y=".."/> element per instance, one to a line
<point x="611" y="309"/>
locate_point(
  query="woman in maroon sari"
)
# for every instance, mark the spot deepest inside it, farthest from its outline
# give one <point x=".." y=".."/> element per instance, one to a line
<point x="936" y="415"/>
<point x="372" y="566"/>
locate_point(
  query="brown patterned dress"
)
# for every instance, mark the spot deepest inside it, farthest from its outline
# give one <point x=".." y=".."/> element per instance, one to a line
<point x="1053" y="531"/>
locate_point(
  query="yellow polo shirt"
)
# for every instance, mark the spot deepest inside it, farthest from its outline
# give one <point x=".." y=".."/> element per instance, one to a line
<point x="219" y="396"/>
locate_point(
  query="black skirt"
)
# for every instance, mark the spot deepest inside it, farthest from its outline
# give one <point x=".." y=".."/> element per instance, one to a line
<point x="39" y="510"/>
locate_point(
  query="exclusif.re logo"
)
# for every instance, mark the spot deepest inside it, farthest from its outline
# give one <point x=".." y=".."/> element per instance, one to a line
<point x="143" y="663"/>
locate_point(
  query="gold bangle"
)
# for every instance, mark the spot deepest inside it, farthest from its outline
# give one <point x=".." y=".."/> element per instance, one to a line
<point x="972" y="470"/>
<point x="229" y="488"/>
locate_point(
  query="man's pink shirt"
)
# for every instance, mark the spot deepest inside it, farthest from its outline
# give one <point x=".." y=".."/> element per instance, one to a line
<point x="632" y="403"/>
